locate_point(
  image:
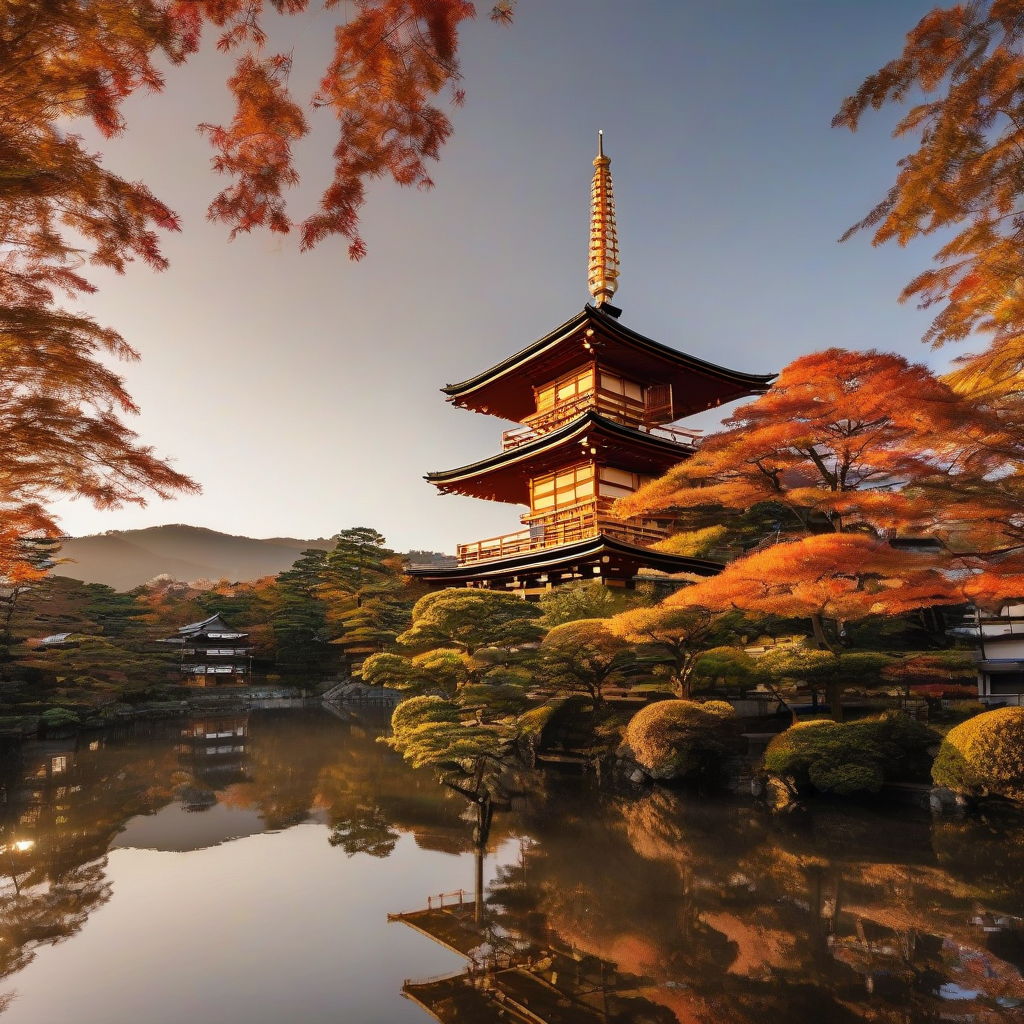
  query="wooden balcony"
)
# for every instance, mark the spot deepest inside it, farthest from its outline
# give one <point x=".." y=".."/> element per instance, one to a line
<point x="639" y="415"/>
<point x="564" y="527"/>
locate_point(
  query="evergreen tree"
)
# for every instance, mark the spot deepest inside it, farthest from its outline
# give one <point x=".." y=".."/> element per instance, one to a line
<point x="300" y="622"/>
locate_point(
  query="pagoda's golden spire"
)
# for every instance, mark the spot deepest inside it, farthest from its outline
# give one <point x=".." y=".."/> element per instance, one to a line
<point x="604" y="242"/>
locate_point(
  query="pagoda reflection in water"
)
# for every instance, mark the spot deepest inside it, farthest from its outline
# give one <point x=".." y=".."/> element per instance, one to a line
<point x="510" y="977"/>
<point x="665" y="909"/>
<point x="669" y="907"/>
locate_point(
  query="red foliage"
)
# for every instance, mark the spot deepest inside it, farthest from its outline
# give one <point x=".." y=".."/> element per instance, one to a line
<point x="827" y="576"/>
<point x="850" y="450"/>
<point x="843" y="441"/>
<point x="60" y="405"/>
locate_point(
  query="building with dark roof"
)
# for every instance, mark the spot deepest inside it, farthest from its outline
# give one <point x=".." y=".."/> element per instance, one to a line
<point x="596" y="405"/>
<point x="212" y="653"/>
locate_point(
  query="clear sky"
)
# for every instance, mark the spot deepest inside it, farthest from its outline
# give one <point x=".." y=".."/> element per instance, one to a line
<point x="301" y="390"/>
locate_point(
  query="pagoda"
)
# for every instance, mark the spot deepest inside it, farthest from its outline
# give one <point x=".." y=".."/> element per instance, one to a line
<point x="211" y="653"/>
<point x="596" y="406"/>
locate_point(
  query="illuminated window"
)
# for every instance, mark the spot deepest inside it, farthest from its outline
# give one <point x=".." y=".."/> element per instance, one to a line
<point x="560" y="490"/>
<point x="567" y="389"/>
<point x="59" y="764"/>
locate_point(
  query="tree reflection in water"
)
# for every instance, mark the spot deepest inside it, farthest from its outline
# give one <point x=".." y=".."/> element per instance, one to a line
<point x="717" y="913"/>
<point x="660" y="907"/>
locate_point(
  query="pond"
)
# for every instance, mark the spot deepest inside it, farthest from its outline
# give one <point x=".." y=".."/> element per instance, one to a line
<point x="284" y="865"/>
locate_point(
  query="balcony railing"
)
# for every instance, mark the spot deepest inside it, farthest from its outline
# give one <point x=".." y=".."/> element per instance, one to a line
<point x="614" y="407"/>
<point x="565" y="529"/>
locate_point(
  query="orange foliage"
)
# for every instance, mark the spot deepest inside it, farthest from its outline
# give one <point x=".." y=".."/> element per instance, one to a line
<point x="837" y="442"/>
<point x="966" y="173"/>
<point x="851" y="449"/>
<point x="60" y="209"/>
<point x="390" y="59"/>
<point x="26" y="544"/>
<point x="834" y="576"/>
<point x="69" y="59"/>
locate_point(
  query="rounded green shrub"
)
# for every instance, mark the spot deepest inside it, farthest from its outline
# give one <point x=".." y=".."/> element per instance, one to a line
<point x="676" y="739"/>
<point x="984" y="755"/>
<point x="59" y="718"/>
<point x="827" y="756"/>
<point x="907" y="745"/>
<point x="854" y="757"/>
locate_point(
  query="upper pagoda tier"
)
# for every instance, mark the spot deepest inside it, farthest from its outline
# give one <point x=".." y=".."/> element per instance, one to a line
<point x="594" y="362"/>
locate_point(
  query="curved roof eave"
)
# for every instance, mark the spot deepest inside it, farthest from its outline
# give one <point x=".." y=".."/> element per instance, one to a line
<point x="754" y="382"/>
<point x="544" y="558"/>
<point x="554" y="438"/>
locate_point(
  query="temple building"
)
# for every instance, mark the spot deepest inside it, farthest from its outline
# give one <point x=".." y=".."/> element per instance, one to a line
<point x="596" y="406"/>
<point x="211" y="653"/>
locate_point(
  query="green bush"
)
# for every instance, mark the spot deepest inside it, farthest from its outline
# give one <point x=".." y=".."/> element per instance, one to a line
<point x="984" y="755"/>
<point x="907" y="745"/>
<point x="533" y="723"/>
<point x="59" y="718"/>
<point x="853" y="757"/>
<point x="676" y="739"/>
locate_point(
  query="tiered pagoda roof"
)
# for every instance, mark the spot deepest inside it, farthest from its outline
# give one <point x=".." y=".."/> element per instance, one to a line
<point x="506" y="389"/>
<point x="595" y="400"/>
<point x="506" y="476"/>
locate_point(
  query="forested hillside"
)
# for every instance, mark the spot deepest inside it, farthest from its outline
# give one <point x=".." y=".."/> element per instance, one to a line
<point x="127" y="559"/>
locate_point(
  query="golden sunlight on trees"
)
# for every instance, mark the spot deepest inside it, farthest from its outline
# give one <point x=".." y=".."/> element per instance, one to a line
<point x="965" y="175"/>
<point x="826" y="444"/>
<point x="584" y="656"/>
<point x="62" y="210"/>
<point x="844" y="469"/>
<point x="887" y="490"/>
<point x="678" y="635"/>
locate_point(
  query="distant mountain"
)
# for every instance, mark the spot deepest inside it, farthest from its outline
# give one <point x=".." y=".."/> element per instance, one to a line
<point x="125" y="559"/>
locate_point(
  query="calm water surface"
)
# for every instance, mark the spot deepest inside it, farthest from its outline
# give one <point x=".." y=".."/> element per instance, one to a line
<point x="242" y="868"/>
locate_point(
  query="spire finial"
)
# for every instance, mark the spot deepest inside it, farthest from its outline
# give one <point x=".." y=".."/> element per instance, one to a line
<point x="604" y="243"/>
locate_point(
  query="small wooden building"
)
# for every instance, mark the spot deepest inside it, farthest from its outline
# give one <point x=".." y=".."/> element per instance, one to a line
<point x="595" y="403"/>
<point x="211" y="653"/>
<point x="1000" y="655"/>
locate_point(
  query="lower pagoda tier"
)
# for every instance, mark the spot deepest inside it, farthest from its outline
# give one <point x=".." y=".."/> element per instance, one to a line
<point x="529" y="567"/>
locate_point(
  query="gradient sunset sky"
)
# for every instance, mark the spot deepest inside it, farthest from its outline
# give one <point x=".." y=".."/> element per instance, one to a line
<point x="301" y="390"/>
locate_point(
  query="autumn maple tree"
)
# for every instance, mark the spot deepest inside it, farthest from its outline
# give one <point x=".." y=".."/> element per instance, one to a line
<point x="849" y="451"/>
<point x="68" y="62"/>
<point x="964" y="67"/>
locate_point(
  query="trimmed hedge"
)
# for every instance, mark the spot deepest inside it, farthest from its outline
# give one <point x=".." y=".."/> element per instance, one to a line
<point x="984" y="755"/>
<point x="59" y="718"/>
<point x="852" y="757"/>
<point x="675" y="739"/>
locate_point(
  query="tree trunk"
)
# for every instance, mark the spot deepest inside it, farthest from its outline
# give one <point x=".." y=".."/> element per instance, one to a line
<point x="5" y="635"/>
<point x="774" y="691"/>
<point x="835" y="704"/>
<point x="478" y="896"/>
<point x="484" y="814"/>
<point x="818" y="626"/>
